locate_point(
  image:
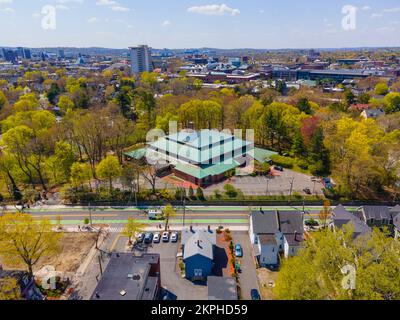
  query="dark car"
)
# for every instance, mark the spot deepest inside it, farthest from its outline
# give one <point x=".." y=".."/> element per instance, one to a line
<point x="140" y="238"/>
<point x="148" y="238"/>
<point x="255" y="295"/>
<point x="307" y="191"/>
<point x="278" y="168"/>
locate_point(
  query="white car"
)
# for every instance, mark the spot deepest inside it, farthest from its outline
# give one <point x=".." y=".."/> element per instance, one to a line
<point x="165" y="236"/>
<point x="157" y="238"/>
<point x="174" y="237"/>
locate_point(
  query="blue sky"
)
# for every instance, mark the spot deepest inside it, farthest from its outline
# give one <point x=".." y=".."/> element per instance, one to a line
<point x="182" y="24"/>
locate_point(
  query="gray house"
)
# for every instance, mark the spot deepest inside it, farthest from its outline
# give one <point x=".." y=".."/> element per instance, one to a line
<point x="375" y="216"/>
<point x="275" y="232"/>
<point x="198" y="252"/>
<point x="342" y="217"/>
<point x="395" y="212"/>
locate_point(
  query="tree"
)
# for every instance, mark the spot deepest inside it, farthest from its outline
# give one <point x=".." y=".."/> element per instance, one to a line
<point x="191" y="192"/>
<point x="132" y="228"/>
<point x="149" y="173"/>
<point x="381" y="89"/>
<point x="169" y="213"/>
<point x="318" y="153"/>
<point x="109" y="169"/>
<point x="80" y="173"/>
<point x="200" y="193"/>
<point x="9" y="289"/>
<point x="3" y="100"/>
<point x="392" y="102"/>
<point x="26" y="240"/>
<point x="325" y="214"/>
<point x="315" y="273"/>
<point x="298" y="147"/>
<point x="304" y="106"/>
<point x="65" y="103"/>
<point x="53" y="93"/>
<point x="230" y="191"/>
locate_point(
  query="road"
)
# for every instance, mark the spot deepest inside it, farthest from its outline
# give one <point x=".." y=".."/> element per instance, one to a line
<point x="205" y="215"/>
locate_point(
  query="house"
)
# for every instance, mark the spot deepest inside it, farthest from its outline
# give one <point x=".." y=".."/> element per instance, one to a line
<point x="291" y="226"/>
<point x="372" y="113"/>
<point x="395" y="212"/>
<point x="275" y="232"/>
<point x="222" y="288"/>
<point x="198" y="247"/>
<point x="375" y="216"/>
<point x="129" y="277"/>
<point x="342" y="217"/>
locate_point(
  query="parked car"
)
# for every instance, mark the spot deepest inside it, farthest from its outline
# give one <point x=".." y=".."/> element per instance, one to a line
<point x="140" y="238"/>
<point x="307" y="191"/>
<point x="311" y="223"/>
<point x="174" y="237"/>
<point x="255" y="295"/>
<point x="278" y="168"/>
<point x="148" y="237"/>
<point x="165" y="236"/>
<point x="238" y="251"/>
<point x="157" y="238"/>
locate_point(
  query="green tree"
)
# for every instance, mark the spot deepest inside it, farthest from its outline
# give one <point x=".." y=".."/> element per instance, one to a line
<point x="65" y="103"/>
<point x="9" y="289"/>
<point x="298" y="147"/>
<point x="191" y="192"/>
<point x="132" y="228"/>
<point x="25" y="240"/>
<point x="169" y="214"/>
<point x="318" y="153"/>
<point x="53" y="92"/>
<point x="3" y="100"/>
<point x="200" y="193"/>
<point x="109" y="169"/>
<point x="304" y="106"/>
<point x="315" y="273"/>
<point x="80" y="173"/>
<point x="381" y="89"/>
<point x="392" y="102"/>
<point x="230" y="191"/>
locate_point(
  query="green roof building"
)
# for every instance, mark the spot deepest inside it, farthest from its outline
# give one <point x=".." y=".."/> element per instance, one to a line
<point x="200" y="157"/>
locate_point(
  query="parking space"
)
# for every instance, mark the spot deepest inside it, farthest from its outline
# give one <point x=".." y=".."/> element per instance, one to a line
<point x="280" y="184"/>
<point x="248" y="277"/>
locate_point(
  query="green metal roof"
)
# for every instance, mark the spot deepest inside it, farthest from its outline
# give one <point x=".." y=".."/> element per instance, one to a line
<point x="262" y="155"/>
<point x="201" y="173"/>
<point x="136" y="154"/>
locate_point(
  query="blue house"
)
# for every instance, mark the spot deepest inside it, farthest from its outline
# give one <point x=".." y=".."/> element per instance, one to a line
<point x="198" y="253"/>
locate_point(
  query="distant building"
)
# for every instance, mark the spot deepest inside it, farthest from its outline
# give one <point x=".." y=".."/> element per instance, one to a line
<point x="221" y="288"/>
<point x="10" y="55"/>
<point x="141" y="59"/>
<point x="128" y="277"/>
<point x="372" y="113"/>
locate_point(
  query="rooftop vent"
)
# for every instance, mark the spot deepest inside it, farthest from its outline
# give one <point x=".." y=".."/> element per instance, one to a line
<point x="122" y="293"/>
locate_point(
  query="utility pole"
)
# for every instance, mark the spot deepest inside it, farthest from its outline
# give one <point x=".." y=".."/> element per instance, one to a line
<point x="90" y="215"/>
<point x="267" y="187"/>
<point x="291" y="181"/>
<point x="184" y="206"/>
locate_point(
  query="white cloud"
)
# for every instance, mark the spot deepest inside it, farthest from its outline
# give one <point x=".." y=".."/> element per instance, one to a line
<point x="214" y="10"/>
<point x="366" y="8"/>
<point x="6" y="1"/>
<point x="391" y="10"/>
<point x="61" y="7"/>
<point x="106" y="3"/>
<point x="120" y="9"/>
<point x="376" y="15"/>
<point x="7" y="10"/>
<point x="93" y="20"/>
<point x="166" y="23"/>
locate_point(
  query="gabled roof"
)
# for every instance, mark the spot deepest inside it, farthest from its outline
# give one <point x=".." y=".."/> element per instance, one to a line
<point x="395" y="211"/>
<point x="376" y="212"/>
<point x="188" y="232"/>
<point x="198" y="244"/>
<point x="265" y="222"/>
<point x="396" y="221"/>
<point x="267" y="239"/>
<point x="342" y="217"/>
<point x="295" y="239"/>
<point x="291" y="222"/>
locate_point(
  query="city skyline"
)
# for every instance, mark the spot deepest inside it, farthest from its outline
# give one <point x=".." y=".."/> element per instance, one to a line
<point x="194" y="24"/>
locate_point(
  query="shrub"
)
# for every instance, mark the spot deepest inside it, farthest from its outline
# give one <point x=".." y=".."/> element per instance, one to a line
<point x="230" y="191"/>
<point x="302" y="164"/>
<point x="285" y="162"/>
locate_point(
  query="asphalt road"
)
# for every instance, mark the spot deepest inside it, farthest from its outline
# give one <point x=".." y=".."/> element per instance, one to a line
<point x="207" y="215"/>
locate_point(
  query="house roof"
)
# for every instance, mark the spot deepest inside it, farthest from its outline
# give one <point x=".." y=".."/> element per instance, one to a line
<point x="395" y="211"/>
<point x="221" y="288"/>
<point x="267" y="239"/>
<point x="265" y="222"/>
<point x="396" y="221"/>
<point x="136" y="154"/>
<point x="294" y="239"/>
<point x="262" y="155"/>
<point x="376" y="212"/>
<point x="342" y="217"/>
<point x="127" y="278"/>
<point x="291" y="222"/>
<point x="199" y="244"/>
<point x="201" y="173"/>
<point x="188" y="232"/>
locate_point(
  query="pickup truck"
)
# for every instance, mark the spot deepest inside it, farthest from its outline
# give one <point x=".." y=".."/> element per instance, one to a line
<point x="155" y="215"/>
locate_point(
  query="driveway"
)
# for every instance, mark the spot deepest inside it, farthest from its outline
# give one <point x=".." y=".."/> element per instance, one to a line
<point x="248" y="278"/>
<point x="171" y="282"/>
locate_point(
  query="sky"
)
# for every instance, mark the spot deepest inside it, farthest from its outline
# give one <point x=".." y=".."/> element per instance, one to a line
<point x="225" y="24"/>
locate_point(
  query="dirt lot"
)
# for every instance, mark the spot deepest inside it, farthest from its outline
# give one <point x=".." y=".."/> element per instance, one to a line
<point x="74" y="249"/>
<point x="266" y="278"/>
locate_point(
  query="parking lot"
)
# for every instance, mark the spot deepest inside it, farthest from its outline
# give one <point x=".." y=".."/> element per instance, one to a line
<point x="174" y="286"/>
<point x="279" y="184"/>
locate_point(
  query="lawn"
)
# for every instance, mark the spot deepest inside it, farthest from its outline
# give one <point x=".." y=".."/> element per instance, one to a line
<point x="267" y="280"/>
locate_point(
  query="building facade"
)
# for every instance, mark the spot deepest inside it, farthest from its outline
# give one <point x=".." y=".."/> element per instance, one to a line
<point x="141" y="59"/>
